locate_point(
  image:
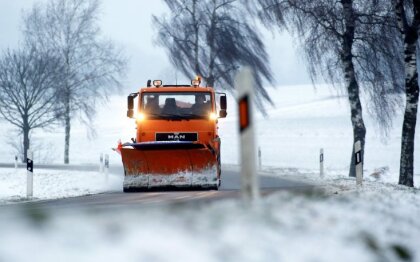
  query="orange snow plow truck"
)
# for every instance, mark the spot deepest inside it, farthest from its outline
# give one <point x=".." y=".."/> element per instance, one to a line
<point x="177" y="142"/>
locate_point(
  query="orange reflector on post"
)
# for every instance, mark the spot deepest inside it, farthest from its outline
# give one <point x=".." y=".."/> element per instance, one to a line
<point x="243" y="113"/>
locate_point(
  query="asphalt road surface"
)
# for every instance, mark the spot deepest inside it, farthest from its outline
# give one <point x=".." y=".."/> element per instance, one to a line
<point x="230" y="188"/>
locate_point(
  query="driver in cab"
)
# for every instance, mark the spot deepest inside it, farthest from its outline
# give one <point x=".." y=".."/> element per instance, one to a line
<point x="152" y="106"/>
<point x="201" y="107"/>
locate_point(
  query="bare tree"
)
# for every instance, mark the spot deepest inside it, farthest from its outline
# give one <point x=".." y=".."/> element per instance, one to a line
<point x="28" y="93"/>
<point x="350" y="42"/>
<point x="213" y="38"/>
<point x="408" y="15"/>
<point x="92" y="65"/>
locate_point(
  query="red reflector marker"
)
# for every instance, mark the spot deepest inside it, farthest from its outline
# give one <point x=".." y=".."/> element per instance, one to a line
<point x="243" y="113"/>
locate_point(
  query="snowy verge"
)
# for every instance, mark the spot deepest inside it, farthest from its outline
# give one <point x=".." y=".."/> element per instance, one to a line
<point x="53" y="184"/>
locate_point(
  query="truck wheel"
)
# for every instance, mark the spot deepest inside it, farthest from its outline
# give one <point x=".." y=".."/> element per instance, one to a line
<point x="129" y="189"/>
<point x="214" y="187"/>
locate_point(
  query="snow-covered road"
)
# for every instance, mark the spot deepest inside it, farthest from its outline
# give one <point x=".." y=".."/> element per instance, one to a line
<point x="52" y="184"/>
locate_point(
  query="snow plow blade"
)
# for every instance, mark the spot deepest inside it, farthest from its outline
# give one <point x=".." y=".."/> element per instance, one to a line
<point x="169" y="164"/>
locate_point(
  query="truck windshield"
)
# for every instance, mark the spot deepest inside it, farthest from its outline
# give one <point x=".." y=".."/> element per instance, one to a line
<point x="186" y="105"/>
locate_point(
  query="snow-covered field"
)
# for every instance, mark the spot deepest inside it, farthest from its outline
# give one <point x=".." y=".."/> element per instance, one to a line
<point x="336" y="222"/>
<point x="303" y="120"/>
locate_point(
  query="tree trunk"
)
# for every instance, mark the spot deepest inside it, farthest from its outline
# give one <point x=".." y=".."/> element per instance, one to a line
<point x="67" y="123"/>
<point x="196" y="40"/>
<point x="210" y="81"/>
<point x="26" y="141"/>
<point x="211" y="45"/>
<point x="359" y="129"/>
<point x="410" y="114"/>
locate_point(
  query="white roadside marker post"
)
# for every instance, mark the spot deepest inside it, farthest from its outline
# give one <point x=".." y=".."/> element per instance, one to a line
<point x="321" y="163"/>
<point x="106" y="167"/>
<point x="16" y="162"/>
<point x="101" y="163"/>
<point x="244" y="84"/>
<point x="29" y="174"/>
<point x="259" y="159"/>
<point x="358" y="161"/>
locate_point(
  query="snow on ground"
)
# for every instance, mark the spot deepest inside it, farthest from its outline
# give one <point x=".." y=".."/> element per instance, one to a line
<point x="375" y="222"/>
<point x="53" y="184"/>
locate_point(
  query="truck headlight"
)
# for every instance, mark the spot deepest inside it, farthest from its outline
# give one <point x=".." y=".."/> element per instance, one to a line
<point x="140" y="117"/>
<point x="213" y="116"/>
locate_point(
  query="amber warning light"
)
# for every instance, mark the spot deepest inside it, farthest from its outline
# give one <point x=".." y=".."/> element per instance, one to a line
<point x="157" y="83"/>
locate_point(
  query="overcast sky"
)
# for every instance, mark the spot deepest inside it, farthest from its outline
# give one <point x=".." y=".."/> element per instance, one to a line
<point x="129" y="24"/>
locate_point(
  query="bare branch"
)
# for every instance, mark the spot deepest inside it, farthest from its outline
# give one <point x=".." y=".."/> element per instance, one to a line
<point x="213" y="38"/>
<point x="93" y="66"/>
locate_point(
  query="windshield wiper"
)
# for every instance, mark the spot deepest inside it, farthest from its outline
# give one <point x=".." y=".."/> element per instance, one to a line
<point x="169" y="116"/>
<point x="175" y="116"/>
<point x="194" y="115"/>
<point x="153" y="114"/>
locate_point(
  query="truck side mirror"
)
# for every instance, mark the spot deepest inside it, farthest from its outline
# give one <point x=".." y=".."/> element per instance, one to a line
<point x="223" y="107"/>
<point x="223" y="103"/>
<point x="130" y="105"/>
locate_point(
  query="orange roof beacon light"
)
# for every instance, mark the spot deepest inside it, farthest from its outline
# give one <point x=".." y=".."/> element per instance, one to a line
<point x="196" y="81"/>
<point x="157" y="83"/>
<point x="177" y="142"/>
